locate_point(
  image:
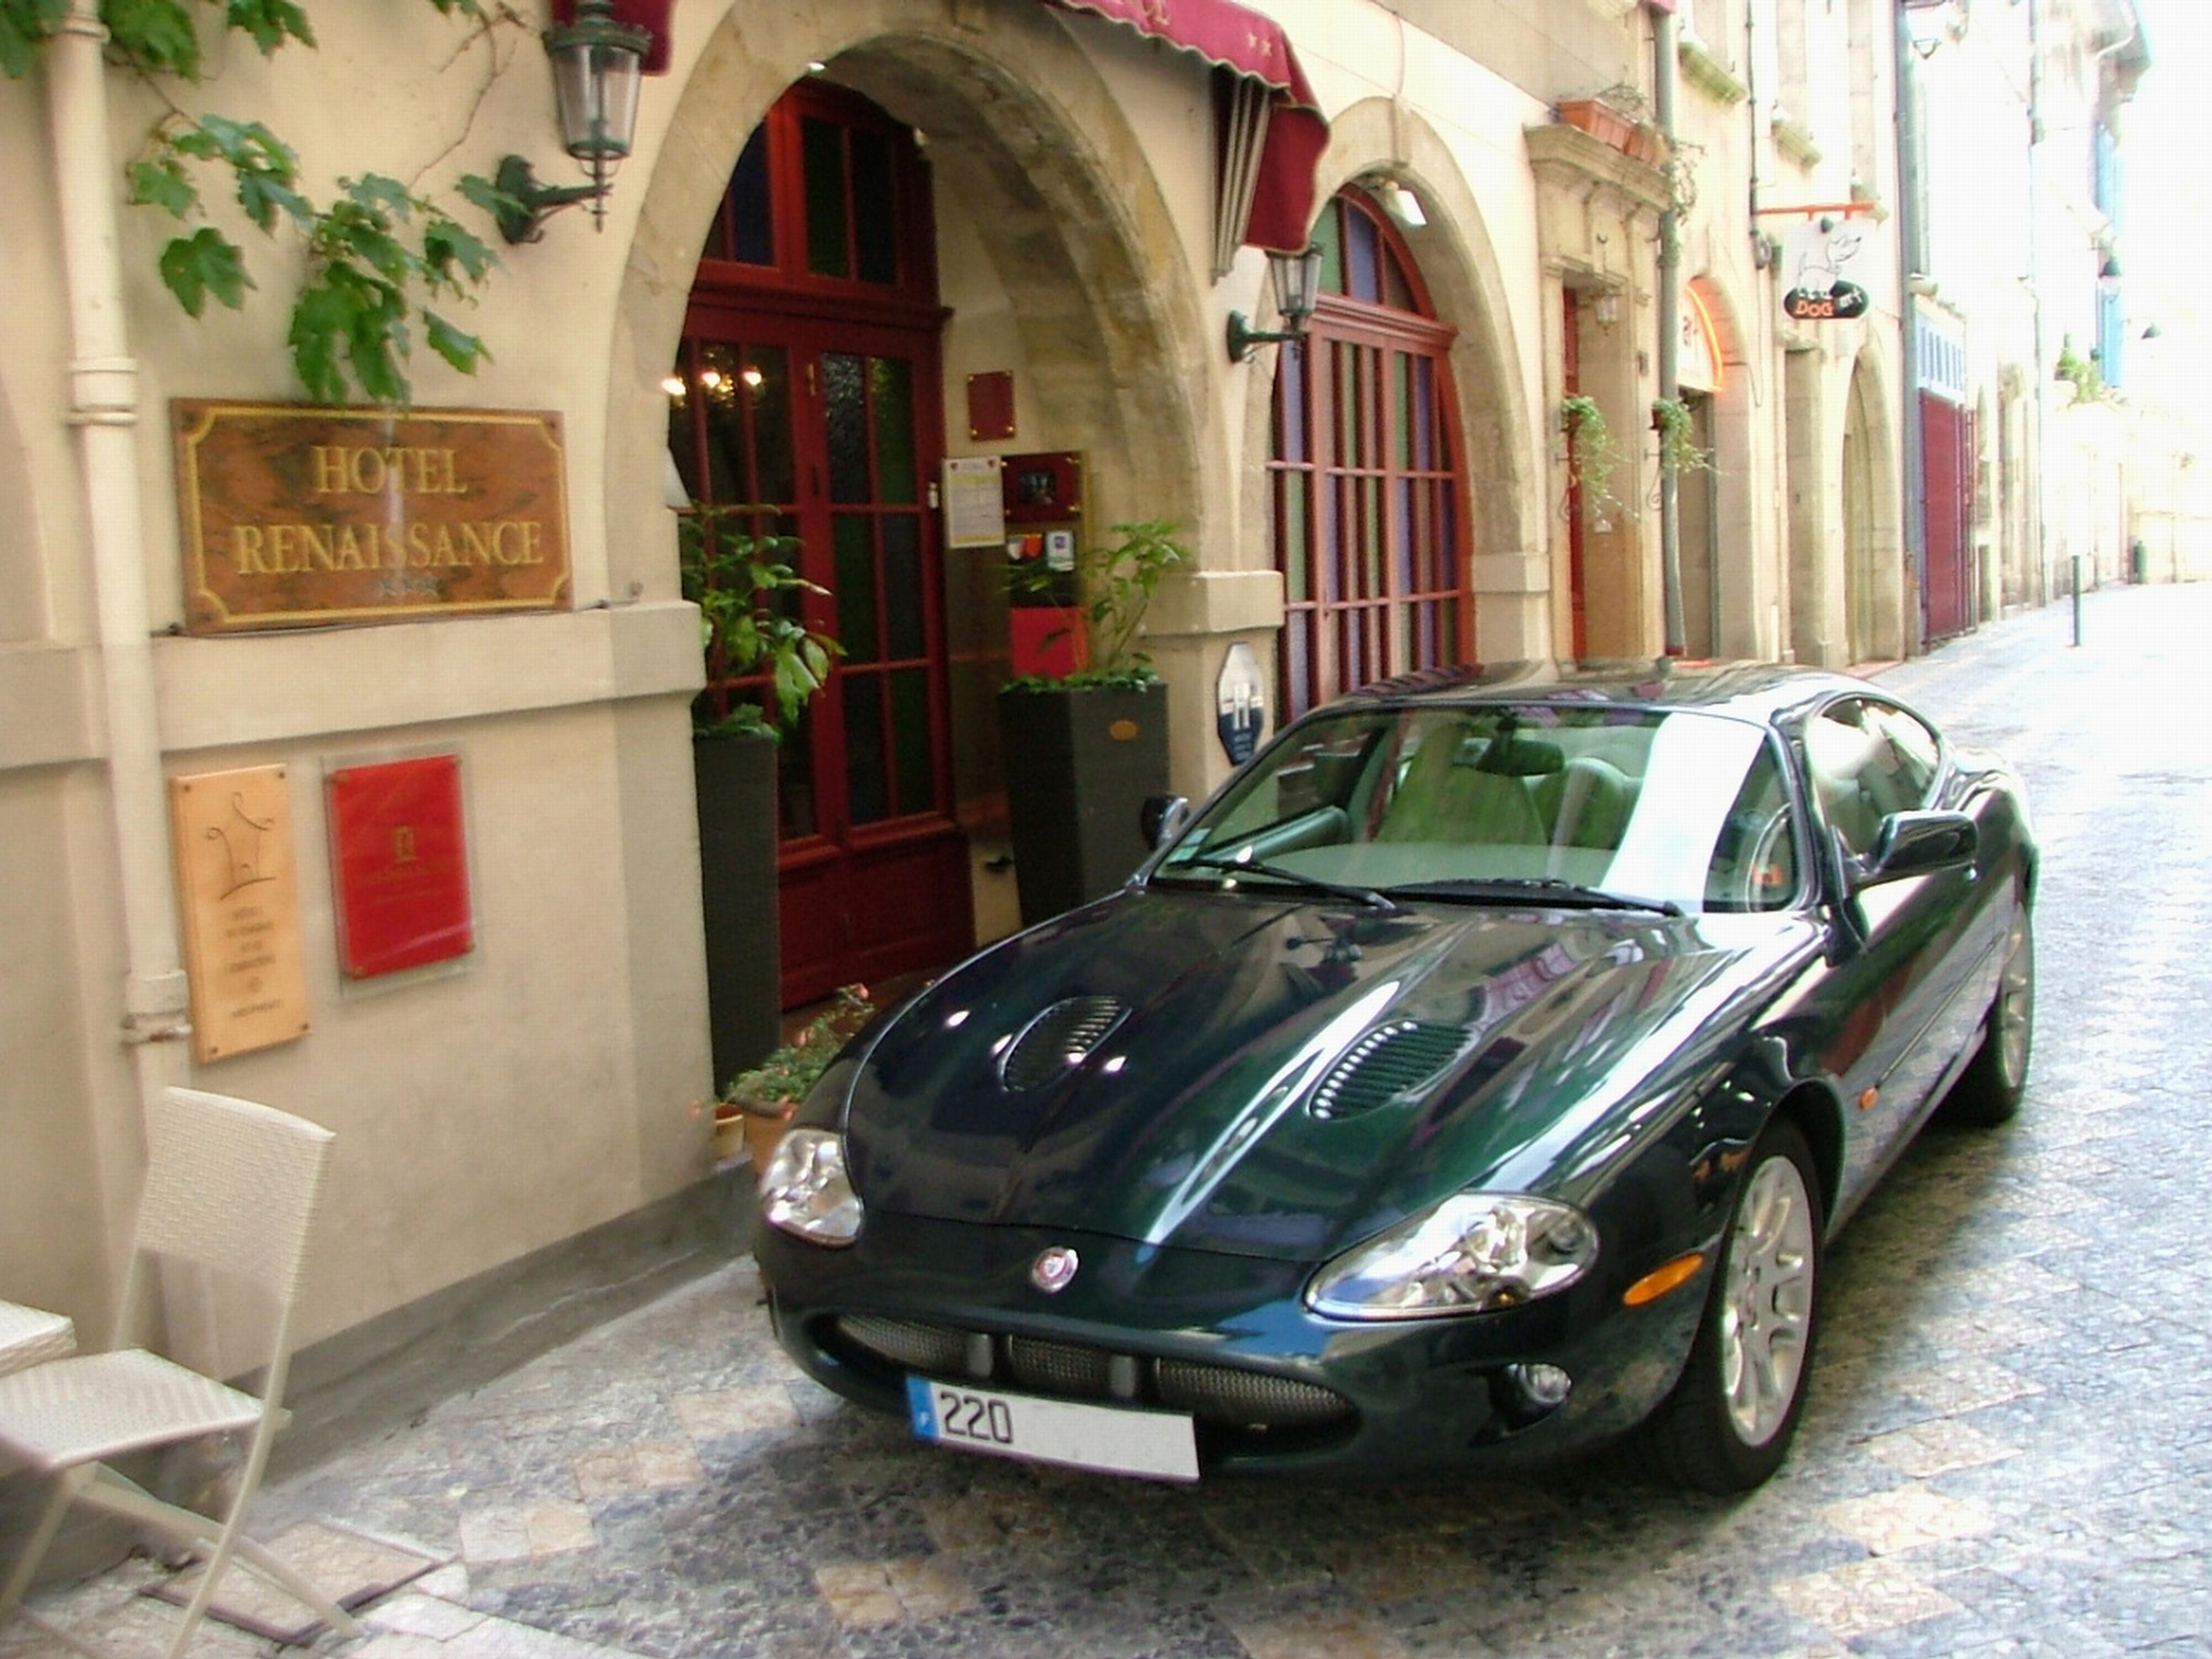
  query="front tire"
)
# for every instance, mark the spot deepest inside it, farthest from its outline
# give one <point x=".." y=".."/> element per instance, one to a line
<point x="1729" y="1423"/>
<point x="1989" y="1091"/>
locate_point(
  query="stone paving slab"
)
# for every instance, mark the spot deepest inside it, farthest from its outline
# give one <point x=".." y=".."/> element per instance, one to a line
<point x="2007" y="1450"/>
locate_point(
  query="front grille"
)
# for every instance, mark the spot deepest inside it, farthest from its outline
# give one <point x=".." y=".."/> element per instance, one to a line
<point x="907" y="1342"/>
<point x="1223" y="1393"/>
<point x="1062" y="1368"/>
<point x="1229" y="1396"/>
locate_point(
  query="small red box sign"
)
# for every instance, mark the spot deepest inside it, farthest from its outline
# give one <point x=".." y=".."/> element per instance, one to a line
<point x="401" y="865"/>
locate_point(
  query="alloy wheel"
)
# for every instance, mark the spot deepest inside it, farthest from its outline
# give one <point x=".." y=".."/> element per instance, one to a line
<point x="1767" y="1313"/>
<point x="2015" y="1013"/>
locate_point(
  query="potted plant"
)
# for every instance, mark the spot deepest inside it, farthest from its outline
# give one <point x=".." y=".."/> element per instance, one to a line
<point x="1592" y="455"/>
<point x="1677" y="444"/>
<point x="1083" y="751"/>
<point x="757" y="1105"/>
<point x="762" y="663"/>
<point x="1619" y="116"/>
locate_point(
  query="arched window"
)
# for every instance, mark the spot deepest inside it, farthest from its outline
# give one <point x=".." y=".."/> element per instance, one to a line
<point x="1370" y="520"/>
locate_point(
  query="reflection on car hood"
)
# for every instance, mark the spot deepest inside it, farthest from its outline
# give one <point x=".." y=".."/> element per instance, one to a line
<point x="1448" y="1047"/>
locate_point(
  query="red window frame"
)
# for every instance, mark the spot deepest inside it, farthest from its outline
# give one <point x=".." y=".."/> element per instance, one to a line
<point x="1366" y="474"/>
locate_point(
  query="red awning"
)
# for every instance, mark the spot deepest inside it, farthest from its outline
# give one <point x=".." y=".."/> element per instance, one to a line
<point x="1220" y="31"/>
<point x="1241" y="40"/>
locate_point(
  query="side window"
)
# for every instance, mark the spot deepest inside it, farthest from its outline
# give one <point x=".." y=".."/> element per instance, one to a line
<point x="1868" y="760"/>
<point x="1841" y="751"/>
<point x="1918" y="755"/>
<point x="1755" y="863"/>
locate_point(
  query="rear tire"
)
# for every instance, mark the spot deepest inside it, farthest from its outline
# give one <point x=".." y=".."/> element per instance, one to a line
<point x="1989" y="1091"/>
<point x="1729" y="1423"/>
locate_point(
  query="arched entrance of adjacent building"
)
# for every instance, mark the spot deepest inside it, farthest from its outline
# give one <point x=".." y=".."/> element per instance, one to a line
<point x="1365" y="465"/>
<point x="1872" y="572"/>
<point x="807" y="389"/>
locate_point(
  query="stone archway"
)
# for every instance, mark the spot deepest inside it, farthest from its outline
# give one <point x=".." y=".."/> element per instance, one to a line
<point x="1025" y="133"/>
<point x="1060" y="262"/>
<point x="1744" y="602"/>
<point x="1874" y="588"/>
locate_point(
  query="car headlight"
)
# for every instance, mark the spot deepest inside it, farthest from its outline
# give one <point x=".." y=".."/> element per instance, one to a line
<point x="1472" y="1253"/>
<point x="805" y="1191"/>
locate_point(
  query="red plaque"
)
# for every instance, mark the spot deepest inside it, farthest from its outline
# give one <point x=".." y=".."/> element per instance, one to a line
<point x="991" y="404"/>
<point x="402" y="868"/>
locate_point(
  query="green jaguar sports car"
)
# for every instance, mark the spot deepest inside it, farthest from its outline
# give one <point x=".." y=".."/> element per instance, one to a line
<point x="1477" y="1077"/>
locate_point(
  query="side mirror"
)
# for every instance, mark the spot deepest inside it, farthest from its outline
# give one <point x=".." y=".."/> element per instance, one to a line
<point x="1160" y="817"/>
<point x="1915" y="844"/>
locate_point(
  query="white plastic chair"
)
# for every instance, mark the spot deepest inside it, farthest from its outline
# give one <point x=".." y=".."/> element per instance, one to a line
<point x="31" y="1336"/>
<point x="231" y="1187"/>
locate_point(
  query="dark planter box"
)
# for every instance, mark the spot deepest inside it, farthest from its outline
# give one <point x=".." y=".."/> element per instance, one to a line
<point x="735" y="778"/>
<point x="1079" y="765"/>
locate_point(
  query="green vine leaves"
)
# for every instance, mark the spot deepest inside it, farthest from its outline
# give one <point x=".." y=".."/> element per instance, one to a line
<point x="370" y="252"/>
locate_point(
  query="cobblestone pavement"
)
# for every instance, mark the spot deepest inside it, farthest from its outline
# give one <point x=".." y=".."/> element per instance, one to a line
<point x="2006" y="1451"/>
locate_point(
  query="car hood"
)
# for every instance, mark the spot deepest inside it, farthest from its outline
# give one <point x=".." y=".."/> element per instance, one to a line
<point x="1282" y="1079"/>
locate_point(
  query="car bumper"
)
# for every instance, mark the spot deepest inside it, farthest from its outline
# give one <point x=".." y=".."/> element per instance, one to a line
<point x="1210" y="1332"/>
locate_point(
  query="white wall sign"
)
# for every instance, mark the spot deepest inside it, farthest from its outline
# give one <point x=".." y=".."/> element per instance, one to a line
<point x="1240" y="701"/>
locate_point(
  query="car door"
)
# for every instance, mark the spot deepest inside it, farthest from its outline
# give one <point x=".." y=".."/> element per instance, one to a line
<point x="1900" y="989"/>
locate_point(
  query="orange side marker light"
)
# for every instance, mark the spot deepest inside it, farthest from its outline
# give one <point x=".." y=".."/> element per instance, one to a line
<point x="1656" y="1283"/>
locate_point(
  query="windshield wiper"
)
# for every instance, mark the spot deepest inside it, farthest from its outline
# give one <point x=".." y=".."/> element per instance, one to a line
<point x="1235" y="865"/>
<point x="1550" y="889"/>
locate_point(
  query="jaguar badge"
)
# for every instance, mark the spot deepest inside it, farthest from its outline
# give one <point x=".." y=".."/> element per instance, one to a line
<point x="1054" y="1270"/>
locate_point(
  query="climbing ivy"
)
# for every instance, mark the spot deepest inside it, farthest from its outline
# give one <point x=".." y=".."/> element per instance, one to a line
<point x="371" y="250"/>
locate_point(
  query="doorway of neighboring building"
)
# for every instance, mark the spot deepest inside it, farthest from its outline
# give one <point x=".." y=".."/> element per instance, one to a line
<point x="807" y="386"/>
<point x="1697" y="540"/>
<point x="1571" y="385"/>
<point x="1368" y="477"/>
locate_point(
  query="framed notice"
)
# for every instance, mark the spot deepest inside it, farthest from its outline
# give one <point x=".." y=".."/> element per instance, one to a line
<point x="399" y="865"/>
<point x="233" y="840"/>
<point x="296" y="517"/>
<point x="975" y="514"/>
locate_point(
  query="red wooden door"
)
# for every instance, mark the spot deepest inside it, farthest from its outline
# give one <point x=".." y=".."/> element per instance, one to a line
<point x="811" y="390"/>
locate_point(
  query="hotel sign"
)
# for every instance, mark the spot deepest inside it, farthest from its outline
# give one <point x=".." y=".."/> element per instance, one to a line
<point x="298" y="517"/>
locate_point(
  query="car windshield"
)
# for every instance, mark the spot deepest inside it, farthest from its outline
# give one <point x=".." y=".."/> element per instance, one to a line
<point x="1595" y="804"/>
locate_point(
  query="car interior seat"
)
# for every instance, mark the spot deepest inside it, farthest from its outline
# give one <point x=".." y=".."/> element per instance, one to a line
<point x="1448" y="796"/>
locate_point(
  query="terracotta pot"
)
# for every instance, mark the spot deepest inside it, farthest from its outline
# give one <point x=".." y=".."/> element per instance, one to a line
<point x="729" y="1131"/>
<point x="1646" y="144"/>
<point x="1599" y="120"/>
<point x="764" y="1124"/>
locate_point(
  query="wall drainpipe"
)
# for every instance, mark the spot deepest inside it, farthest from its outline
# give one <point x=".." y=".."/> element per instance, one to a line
<point x="1670" y="334"/>
<point x="104" y="408"/>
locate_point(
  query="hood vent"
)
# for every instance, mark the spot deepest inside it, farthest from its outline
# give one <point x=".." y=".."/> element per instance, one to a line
<point x="1389" y="1062"/>
<point x="1057" y="1041"/>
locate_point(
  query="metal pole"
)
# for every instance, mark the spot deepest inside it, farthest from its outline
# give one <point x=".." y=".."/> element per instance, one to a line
<point x="1670" y="338"/>
<point x="2042" y="496"/>
<point x="1913" y="259"/>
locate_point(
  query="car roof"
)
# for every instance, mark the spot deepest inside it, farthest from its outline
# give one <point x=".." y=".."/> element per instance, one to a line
<point x="1762" y="691"/>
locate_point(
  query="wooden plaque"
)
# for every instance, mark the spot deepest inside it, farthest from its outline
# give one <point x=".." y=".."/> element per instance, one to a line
<point x="233" y="835"/>
<point x="296" y="517"/>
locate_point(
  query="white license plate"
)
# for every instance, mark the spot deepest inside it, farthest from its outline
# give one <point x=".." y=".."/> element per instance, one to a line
<point x="1113" y="1439"/>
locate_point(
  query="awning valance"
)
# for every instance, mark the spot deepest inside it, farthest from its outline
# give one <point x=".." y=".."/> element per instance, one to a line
<point x="1241" y="40"/>
<point x="1276" y="137"/>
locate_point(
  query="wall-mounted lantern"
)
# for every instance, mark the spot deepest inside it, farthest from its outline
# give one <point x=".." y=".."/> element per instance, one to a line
<point x="596" y="62"/>
<point x="1297" y="277"/>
